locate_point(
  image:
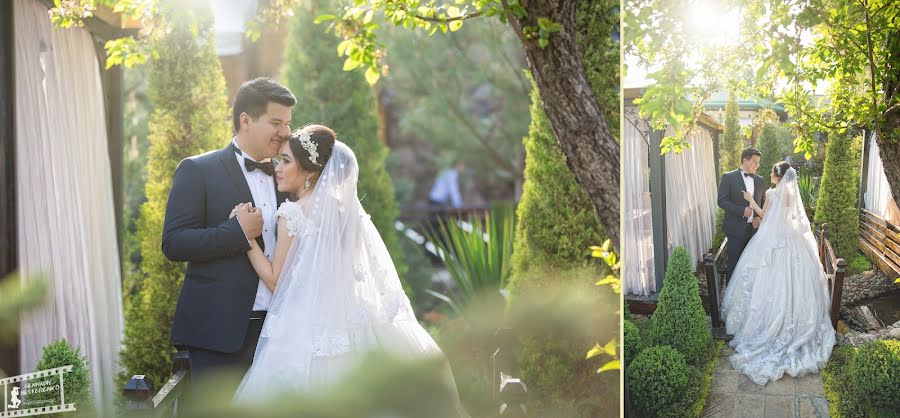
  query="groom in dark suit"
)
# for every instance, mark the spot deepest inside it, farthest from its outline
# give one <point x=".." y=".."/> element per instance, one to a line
<point x="740" y="221"/>
<point x="222" y="305"/>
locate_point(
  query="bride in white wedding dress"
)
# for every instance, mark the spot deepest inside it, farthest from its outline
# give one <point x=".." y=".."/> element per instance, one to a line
<point x="337" y="295"/>
<point x="777" y="303"/>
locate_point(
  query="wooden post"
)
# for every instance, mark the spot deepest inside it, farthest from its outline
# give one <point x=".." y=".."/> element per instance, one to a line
<point x="513" y="394"/>
<point x="503" y="360"/>
<point x="838" y="291"/>
<point x="864" y="173"/>
<point x="139" y="392"/>
<point x="9" y="350"/>
<point x="823" y="258"/>
<point x="712" y="290"/>
<point x="658" y="207"/>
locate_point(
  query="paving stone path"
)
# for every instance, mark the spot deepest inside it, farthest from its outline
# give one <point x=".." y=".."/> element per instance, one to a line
<point x="733" y="395"/>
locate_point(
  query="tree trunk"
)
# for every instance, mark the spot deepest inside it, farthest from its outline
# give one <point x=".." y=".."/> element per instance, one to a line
<point x="888" y="140"/>
<point x="592" y="154"/>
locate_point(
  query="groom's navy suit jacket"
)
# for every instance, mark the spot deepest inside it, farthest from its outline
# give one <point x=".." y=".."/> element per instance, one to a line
<point x="731" y="199"/>
<point x="216" y="300"/>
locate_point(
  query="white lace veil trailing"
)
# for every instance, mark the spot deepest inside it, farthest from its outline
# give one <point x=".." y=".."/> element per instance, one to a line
<point x="338" y="296"/>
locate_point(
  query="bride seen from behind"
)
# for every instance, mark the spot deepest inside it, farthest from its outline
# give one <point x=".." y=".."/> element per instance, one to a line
<point x="777" y="303"/>
<point x="337" y="295"/>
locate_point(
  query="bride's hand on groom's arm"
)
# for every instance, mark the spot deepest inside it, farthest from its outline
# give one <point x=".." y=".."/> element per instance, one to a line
<point x="250" y="219"/>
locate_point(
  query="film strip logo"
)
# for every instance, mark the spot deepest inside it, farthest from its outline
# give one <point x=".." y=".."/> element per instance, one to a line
<point x="13" y="400"/>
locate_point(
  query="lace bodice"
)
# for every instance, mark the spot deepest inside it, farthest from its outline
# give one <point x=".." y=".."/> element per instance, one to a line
<point x="297" y="222"/>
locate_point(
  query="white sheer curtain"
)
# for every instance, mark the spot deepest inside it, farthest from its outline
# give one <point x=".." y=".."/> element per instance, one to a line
<point x="65" y="206"/>
<point x="691" y="196"/>
<point x="637" y="223"/>
<point x="878" y="191"/>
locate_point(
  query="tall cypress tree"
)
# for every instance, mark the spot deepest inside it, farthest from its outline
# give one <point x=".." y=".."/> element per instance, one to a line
<point x="343" y="101"/>
<point x="190" y="116"/>
<point x="839" y="192"/>
<point x="732" y="144"/>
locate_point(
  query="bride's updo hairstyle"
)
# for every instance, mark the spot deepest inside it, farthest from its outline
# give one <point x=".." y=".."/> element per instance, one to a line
<point x="312" y="146"/>
<point x="781" y="168"/>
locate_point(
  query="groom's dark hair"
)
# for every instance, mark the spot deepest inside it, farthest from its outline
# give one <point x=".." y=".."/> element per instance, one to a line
<point x="748" y="153"/>
<point x="254" y="96"/>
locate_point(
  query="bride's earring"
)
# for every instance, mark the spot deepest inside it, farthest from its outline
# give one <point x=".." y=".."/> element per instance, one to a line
<point x="307" y="185"/>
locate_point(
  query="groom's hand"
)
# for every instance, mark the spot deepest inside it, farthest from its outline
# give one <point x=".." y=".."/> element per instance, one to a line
<point x="748" y="211"/>
<point x="756" y="221"/>
<point x="251" y="221"/>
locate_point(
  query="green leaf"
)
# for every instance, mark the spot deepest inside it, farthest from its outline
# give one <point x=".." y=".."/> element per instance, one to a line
<point x="543" y="42"/>
<point x="596" y="351"/>
<point x="324" y="18"/>
<point x="456" y="25"/>
<point x="342" y="47"/>
<point x="351" y="64"/>
<point x="372" y="76"/>
<point x="610" y="365"/>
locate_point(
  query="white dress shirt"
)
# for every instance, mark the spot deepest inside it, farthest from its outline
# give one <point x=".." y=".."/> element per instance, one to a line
<point x="262" y="188"/>
<point x="446" y="189"/>
<point x="750" y="185"/>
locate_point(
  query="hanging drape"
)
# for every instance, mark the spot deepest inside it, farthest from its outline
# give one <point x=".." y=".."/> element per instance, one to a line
<point x="67" y="227"/>
<point x="691" y="195"/>
<point x="637" y="223"/>
<point x="878" y="199"/>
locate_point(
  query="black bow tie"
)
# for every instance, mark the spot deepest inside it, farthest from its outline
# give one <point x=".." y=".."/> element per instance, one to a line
<point x="265" y="166"/>
<point x="748" y="175"/>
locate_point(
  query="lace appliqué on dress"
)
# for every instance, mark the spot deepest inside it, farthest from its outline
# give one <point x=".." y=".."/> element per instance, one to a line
<point x="297" y="222"/>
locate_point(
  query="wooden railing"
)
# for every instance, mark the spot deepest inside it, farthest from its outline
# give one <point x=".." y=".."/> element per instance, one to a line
<point x="426" y="213"/>
<point x="171" y="399"/>
<point x="510" y="392"/>
<point x="880" y="241"/>
<point x="716" y="279"/>
<point x="835" y="271"/>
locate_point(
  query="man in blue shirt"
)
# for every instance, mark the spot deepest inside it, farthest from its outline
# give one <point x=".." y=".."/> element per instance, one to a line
<point x="445" y="191"/>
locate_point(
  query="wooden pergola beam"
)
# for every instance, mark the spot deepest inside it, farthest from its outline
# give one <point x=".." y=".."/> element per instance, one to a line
<point x="658" y="207"/>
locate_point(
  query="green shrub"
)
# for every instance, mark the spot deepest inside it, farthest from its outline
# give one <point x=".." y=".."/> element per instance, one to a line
<point x="631" y="342"/>
<point x="190" y="116"/>
<point x="860" y="263"/>
<point x="838" y="194"/>
<point x="875" y="375"/>
<point x="551" y="356"/>
<point x="657" y="379"/>
<point x="732" y="141"/>
<point x="343" y="101"/>
<point x="842" y="403"/>
<point x="679" y="320"/>
<point x="76" y="384"/>
<point x="719" y="232"/>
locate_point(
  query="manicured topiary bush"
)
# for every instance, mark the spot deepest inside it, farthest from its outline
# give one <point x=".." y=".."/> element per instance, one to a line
<point x="875" y="375"/>
<point x="76" y="384"/>
<point x="679" y="320"/>
<point x="631" y="341"/>
<point x="838" y="193"/>
<point x="657" y="380"/>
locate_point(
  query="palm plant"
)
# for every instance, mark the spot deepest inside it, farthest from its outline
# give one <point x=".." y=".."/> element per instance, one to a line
<point x="477" y="253"/>
<point x="809" y="191"/>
